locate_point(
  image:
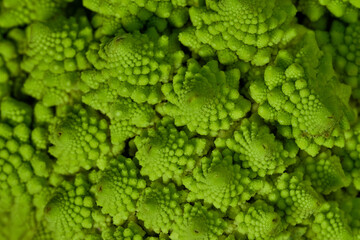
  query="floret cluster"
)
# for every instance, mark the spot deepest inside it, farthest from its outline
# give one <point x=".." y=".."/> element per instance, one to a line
<point x="179" y="119"/>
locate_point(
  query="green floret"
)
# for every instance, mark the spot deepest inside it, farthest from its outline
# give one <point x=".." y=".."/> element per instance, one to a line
<point x="72" y="214"/>
<point x="127" y="118"/>
<point x="20" y="12"/>
<point x="204" y="98"/>
<point x="43" y="232"/>
<point x="350" y="206"/>
<point x="325" y="172"/>
<point x="312" y="9"/>
<point x="219" y="182"/>
<point x="167" y="153"/>
<point x="350" y="155"/>
<point x="15" y="112"/>
<point x="39" y="137"/>
<point x="347" y="10"/>
<point x="118" y="188"/>
<point x="259" y="221"/>
<point x="134" y="65"/>
<point x="9" y="66"/>
<point x="159" y="205"/>
<point x="80" y="140"/>
<point x="54" y="57"/>
<point x="330" y="223"/>
<point x="345" y="40"/>
<point x="248" y="30"/>
<point x="43" y="116"/>
<point x="198" y="222"/>
<point x="105" y="25"/>
<point x="131" y="232"/>
<point x="292" y="94"/>
<point x="295" y="199"/>
<point x="24" y="187"/>
<point x="258" y="149"/>
<point x="174" y="10"/>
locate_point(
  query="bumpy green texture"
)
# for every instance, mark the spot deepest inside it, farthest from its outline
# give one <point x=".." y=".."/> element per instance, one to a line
<point x="198" y="222"/>
<point x="220" y="182"/>
<point x="168" y="153"/>
<point x="127" y="118"/>
<point x="137" y="11"/>
<point x="258" y="148"/>
<point x="15" y="112"/>
<point x="294" y="198"/>
<point x="330" y="223"/>
<point x="54" y="55"/>
<point x="131" y="232"/>
<point x="204" y="98"/>
<point x="325" y="172"/>
<point x="179" y="120"/>
<point x="80" y="141"/>
<point x="24" y="187"/>
<point x="347" y="10"/>
<point x="345" y="39"/>
<point x="105" y="25"/>
<point x="72" y="213"/>
<point x="292" y="94"/>
<point x="159" y="205"/>
<point x="352" y="214"/>
<point x="20" y="12"/>
<point x="9" y="66"/>
<point x="133" y="65"/>
<point x="259" y="221"/>
<point x="312" y="9"/>
<point x="247" y="30"/>
<point x="350" y="155"/>
<point x="118" y="188"/>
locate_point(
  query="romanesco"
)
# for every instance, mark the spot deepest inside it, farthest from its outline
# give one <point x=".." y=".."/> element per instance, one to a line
<point x="179" y="119"/>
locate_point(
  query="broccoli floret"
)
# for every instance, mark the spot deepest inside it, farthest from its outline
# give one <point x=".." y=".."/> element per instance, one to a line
<point x="24" y="181"/>
<point x="131" y="232"/>
<point x="167" y="153"/>
<point x="345" y="41"/>
<point x="220" y="182"/>
<point x="127" y="118"/>
<point x="54" y="57"/>
<point x="133" y="65"/>
<point x="294" y="198"/>
<point x="141" y="11"/>
<point x="72" y="213"/>
<point x="330" y="223"/>
<point x="80" y="140"/>
<point x="259" y="221"/>
<point x="245" y="30"/>
<point x="118" y="188"/>
<point x="258" y="149"/>
<point x="198" y="222"/>
<point x="292" y="94"/>
<point x="179" y="119"/>
<point x="204" y="98"/>
<point x="159" y="205"/>
<point x="20" y="12"/>
<point x="325" y="172"/>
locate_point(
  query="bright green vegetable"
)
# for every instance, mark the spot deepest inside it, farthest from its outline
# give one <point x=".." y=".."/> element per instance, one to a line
<point x="18" y="12"/>
<point x="179" y="119"/>
<point x="54" y="57"/>
<point x="292" y="94"/>
<point x="204" y="98"/>
<point x="245" y="30"/>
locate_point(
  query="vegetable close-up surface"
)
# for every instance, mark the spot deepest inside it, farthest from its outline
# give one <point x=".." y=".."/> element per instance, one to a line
<point x="179" y="119"/>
